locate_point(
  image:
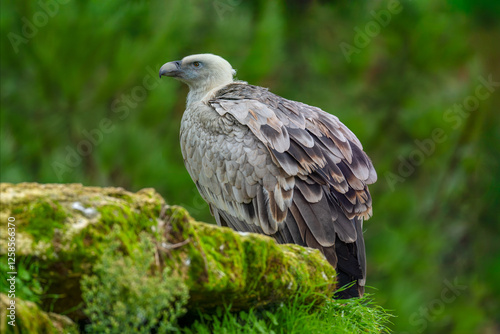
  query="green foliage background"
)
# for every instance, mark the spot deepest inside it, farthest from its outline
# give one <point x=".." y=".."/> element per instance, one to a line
<point x="90" y="67"/>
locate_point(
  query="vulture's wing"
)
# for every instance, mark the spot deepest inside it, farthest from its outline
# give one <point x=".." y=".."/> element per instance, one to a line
<point x="320" y="196"/>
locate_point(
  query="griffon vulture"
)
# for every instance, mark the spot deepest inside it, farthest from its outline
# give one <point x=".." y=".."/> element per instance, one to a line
<point x="274" y="166"/>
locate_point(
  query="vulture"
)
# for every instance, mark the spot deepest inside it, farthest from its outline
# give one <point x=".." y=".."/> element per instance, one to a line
<point x="269" y="165"/>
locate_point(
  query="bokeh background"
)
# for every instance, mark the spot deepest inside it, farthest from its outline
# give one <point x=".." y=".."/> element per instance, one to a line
<point x="81" y="102"/>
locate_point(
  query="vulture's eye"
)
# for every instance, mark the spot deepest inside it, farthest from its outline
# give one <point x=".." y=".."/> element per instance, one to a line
<point x="197" y="64"/>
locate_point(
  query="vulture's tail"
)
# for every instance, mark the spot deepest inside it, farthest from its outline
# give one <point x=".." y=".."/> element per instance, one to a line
<point x="351" y="265"/>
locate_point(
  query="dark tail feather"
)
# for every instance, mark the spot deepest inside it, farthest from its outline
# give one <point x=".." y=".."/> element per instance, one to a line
<point x="361" y="252"/>
<point x="349" y="269"/>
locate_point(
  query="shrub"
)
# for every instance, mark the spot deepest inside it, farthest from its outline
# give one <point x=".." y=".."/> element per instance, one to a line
<point x="125" y="296"/>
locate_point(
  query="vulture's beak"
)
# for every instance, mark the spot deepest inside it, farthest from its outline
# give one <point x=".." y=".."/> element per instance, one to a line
<point x="171" y="69"/>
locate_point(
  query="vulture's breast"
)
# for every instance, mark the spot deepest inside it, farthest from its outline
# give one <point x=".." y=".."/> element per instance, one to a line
<point x="223" y="157"/>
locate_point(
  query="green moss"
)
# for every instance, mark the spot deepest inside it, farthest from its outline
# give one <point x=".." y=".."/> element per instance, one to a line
<point x="222" y="254"/>
<point x="243" y="269"/>
<point x="91" y="243"/>
<point x="256" y="257"/>
<point x="41" y="219"/>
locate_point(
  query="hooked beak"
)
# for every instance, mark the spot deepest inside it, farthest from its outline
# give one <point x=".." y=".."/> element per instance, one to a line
<point x="171" y="69"/>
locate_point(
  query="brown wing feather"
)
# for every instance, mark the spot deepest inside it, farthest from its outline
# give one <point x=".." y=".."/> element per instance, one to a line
<point x="320" y="144"/>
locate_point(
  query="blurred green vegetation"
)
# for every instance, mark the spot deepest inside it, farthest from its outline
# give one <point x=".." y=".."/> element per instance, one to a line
<point x="81" y="75"/>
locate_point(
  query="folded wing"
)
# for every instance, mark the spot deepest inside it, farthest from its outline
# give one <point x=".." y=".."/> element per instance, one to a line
<point x="316" y="193"/>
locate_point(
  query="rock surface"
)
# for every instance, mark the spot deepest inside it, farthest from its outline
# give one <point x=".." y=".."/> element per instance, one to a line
<point x="30" y="318"/>
<point x="62" y="229"/>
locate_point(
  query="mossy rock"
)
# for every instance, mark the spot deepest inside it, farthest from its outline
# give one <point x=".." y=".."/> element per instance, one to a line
<point x="62" y="229"/>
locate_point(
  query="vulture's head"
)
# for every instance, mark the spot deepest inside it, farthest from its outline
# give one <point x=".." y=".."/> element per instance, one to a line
<point x="200" y="72"/>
